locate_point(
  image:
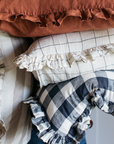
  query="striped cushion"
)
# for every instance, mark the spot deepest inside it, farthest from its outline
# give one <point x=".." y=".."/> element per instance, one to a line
<point x="17" y="86"/>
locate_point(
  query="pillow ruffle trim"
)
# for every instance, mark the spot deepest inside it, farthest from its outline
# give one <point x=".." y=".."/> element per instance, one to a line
<point x="46" y="133"/>
<point x="57" y="18"/>
<point x="56" y="61"/>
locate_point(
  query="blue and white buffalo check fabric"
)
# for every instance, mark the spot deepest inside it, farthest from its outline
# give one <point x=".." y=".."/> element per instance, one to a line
<point x="62" y="111"/>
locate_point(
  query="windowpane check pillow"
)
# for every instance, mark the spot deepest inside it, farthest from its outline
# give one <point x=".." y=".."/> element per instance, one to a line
<point x="59" y="51"/>
<point x="16" y="87"/>
<point x="62" y="111"/>
<point x="60" y="57"/>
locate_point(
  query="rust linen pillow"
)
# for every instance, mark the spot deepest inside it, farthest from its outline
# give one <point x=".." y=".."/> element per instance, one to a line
<point x="35" y="18"/>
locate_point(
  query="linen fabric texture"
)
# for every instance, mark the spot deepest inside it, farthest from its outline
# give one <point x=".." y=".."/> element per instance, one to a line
<point x="17" y="86"/>
<point x="47" y="75"/>
<point x="60" y="57"/>
<point x="34" y="18"/>
<point x="62" y="50"/>
<point x="61" y="112"/>
<point x="2" y="125"/>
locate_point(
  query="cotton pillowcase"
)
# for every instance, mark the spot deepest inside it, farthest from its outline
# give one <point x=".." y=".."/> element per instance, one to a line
<point x="59" y="51"/>
<point x="60" y="57"/>
<point x="36" y="18"/>
<point x="17" y="86"/>
<point x="61" y="112"/>
<point x="47" y="75"/>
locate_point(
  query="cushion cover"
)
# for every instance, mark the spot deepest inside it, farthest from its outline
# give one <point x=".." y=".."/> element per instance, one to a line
<point x="17" y="86"/>
<point x="60" y="57"/>
<point x="62" y="111"/>
<point x="33" y="18"/>
<point x="62" y="50"/>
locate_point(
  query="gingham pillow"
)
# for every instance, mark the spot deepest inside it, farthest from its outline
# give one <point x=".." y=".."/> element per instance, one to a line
<point x="62" y="111"/>
<point x="17" y="86"/>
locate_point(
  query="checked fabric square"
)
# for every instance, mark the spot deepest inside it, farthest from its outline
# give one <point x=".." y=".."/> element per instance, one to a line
<point x="57" y="58"/>
<point x="62" y="111"/>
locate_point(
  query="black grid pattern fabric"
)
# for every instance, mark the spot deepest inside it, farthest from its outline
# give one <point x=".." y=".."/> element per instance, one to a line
<point x="62" y="111"/>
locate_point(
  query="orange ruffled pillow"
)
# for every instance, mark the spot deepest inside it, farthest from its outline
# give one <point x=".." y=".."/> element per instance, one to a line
<point x="35" y="18"/>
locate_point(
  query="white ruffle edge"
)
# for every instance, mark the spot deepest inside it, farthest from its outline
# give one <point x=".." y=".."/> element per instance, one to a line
<point x="56" y="61"/>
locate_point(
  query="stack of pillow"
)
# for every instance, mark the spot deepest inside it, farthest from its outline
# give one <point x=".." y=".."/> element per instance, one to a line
<point x="15" y="86"/>
<point x="66" y="63"/>
<point x="68" y="67"/>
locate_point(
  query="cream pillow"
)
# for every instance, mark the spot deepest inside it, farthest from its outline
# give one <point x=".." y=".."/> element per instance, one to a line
<point x="56" y="58"/>
<point x="59" y="51"/>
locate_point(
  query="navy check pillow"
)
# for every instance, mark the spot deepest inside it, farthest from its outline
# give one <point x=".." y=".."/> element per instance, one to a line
<point x="62" y="111"/>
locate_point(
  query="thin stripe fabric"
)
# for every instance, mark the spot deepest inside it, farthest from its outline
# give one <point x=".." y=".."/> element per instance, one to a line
<point x="17" y="86"/>
<point x="61" y="112"/>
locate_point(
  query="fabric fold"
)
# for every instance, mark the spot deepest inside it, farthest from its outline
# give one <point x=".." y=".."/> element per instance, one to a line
<point x="62" y="111"/>
<point x="2" y="124"/>
<point x="45" y="19"/>
<point x="56" y="61"/>
<point x="46" y="131"/>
